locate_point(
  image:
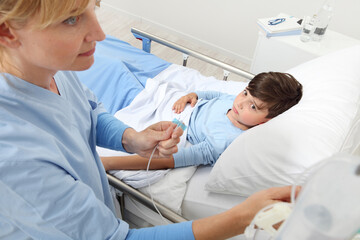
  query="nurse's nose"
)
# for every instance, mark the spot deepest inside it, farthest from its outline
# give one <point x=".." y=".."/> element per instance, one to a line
<point x="95" y="31"/>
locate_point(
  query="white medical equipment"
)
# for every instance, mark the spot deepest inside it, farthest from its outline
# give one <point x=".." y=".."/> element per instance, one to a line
<point x="327" y="207"/>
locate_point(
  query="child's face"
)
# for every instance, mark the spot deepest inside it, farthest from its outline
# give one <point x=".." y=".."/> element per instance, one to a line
<point x="65" y="45"/>
<point x="247" y="111"/>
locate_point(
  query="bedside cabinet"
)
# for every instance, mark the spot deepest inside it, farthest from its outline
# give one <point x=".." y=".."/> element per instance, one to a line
<point x="284" y="52"/>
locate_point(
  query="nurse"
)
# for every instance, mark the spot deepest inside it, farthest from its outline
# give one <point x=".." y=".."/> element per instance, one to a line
<point x="52" y="182"/>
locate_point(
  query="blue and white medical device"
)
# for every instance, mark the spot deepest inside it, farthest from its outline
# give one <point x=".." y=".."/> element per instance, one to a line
<point x="327" y="208"/>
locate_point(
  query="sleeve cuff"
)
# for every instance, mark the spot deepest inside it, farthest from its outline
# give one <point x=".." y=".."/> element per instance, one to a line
<point x="109" y="132"/>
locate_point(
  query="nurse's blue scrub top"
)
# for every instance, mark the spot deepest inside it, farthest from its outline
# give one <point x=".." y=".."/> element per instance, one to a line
<point x="52" y="182"/>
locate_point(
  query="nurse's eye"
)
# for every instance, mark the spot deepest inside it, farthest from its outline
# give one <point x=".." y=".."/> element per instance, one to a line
<point x="72" y="20"/>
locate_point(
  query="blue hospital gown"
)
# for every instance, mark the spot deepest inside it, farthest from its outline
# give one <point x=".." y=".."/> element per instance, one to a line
<point x="210" y="131"/>
<point x="52" y="182"/>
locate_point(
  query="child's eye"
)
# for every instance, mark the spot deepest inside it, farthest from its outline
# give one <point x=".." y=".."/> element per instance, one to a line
<point x="245" y="92"/>
<point x="253" y="107"/>
<point x="72" y="20"/>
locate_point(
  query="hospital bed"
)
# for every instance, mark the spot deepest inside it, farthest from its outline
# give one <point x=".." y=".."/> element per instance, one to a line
<point x="325" y="122"/>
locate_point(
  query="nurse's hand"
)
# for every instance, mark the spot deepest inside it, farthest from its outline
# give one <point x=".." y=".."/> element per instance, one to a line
<point x="234" y="221"/>
<point x="160" y="134"/>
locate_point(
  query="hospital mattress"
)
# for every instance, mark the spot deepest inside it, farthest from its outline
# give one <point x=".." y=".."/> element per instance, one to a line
<point x="199" y="203"/>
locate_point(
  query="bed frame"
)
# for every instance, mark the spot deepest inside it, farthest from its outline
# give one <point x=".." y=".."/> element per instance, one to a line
<point x="125" y="189"/>
<point x="147" y="38"/>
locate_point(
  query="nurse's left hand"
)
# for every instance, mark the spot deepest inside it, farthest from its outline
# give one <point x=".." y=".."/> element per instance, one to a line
<point x="163" y="134"/>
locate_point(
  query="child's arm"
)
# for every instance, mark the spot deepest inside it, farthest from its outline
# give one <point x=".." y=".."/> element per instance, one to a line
<point x="135" y="162"/>
<point x="208" y="95"/>
<point x="202" y="153"/>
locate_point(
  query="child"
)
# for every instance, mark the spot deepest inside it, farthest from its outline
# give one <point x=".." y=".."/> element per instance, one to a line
<point x="219" y="118"/>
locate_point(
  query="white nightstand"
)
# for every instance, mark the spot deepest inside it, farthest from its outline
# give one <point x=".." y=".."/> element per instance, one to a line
<point x="284" y="52"/>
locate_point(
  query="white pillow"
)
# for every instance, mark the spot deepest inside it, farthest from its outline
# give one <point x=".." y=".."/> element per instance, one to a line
<point x="275" y="153"/>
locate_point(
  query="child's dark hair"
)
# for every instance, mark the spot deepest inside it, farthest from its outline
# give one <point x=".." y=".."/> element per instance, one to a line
<point x="279" y="91"/>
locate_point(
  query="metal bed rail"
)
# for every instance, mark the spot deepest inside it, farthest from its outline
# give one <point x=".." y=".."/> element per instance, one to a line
<point x="142" y="198"/>
<point x="147" y="38"/>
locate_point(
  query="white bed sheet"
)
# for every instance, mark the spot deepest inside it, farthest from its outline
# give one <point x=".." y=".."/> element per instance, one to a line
<point x="199" y="203"/>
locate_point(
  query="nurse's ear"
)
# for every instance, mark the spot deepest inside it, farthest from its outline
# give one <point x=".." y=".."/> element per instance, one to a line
<point x="7" y="36"/>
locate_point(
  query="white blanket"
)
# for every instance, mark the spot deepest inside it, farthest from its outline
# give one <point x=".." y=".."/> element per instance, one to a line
<point x="152" y="105"/>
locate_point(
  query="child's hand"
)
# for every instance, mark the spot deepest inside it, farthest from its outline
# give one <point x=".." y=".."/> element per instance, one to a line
<point x="165" y="135"/>
<point x="180" y="104"/>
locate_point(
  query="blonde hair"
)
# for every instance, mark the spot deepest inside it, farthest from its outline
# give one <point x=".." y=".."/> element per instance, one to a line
<point x="49" y="11"/>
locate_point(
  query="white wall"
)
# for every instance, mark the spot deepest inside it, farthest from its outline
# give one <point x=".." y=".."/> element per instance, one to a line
<point x="229" y="26"/>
